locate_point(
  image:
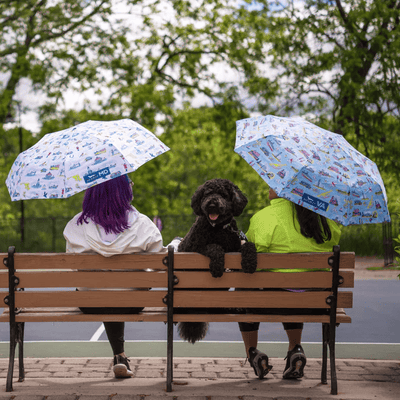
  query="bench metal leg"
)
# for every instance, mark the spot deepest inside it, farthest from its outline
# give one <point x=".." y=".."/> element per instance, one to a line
<point x="20" y="340"/>
<point x="169" y="262"/>
<point x="16" y="337"/>
<point x="170" y="344"/>
<point x="334" y="262"/>
<point x="332" y="338"/>
<point x="13" y="343"/>
<point x="325" y="340"/>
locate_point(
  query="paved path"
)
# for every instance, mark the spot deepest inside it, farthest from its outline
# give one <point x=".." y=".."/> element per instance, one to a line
<point x="198" y="378"/>
<point x="361" y="271"/>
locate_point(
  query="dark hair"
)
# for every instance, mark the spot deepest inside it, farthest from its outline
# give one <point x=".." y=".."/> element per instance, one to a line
<point x="107" y="204"/>
<point x="313" y="225"/>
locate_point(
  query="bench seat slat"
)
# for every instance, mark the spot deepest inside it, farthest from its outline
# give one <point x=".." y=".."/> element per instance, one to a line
<point x="340" y="318"/>
<point x="159" y="314"/>
<point x="75" y="315"/>
<point x="255" y="299"/>
<point x="52" y="279"/>
<point x="203" y="279"/>
<point x="91" y="298"/>
<point x="267" y="260"/>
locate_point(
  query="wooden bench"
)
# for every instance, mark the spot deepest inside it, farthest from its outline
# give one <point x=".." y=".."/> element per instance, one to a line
<point x="41" y="288"/>
<point x="191" y="276"/>
<point x="182" y="280"/>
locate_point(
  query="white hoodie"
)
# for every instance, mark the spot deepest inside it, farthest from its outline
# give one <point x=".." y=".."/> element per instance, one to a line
<point x="141" y="236"/>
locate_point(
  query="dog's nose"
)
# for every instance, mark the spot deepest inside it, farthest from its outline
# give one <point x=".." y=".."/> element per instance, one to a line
<point x="212" y="207"/>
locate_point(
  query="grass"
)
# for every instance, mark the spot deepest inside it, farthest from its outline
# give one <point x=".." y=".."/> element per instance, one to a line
<point x="390" y="267"/>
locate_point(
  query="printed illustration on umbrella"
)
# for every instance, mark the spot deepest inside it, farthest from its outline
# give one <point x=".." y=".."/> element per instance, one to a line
<point x="67" y="162"/>
<point x="313" y="167"/>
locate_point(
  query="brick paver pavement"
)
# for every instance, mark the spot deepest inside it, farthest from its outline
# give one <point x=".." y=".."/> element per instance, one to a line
<point x="234" y="368"/>
<point x="194" y="373"/>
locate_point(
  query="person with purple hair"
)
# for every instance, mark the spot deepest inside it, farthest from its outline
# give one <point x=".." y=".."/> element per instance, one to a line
<point x="109" y="225"/>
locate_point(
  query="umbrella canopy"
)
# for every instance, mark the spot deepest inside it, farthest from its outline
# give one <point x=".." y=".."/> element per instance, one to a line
<point x="313" y="167"/>
<point x="67" y="162"/>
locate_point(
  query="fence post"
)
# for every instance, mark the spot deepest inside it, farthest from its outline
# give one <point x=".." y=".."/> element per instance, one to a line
<point x="388" y="243"/>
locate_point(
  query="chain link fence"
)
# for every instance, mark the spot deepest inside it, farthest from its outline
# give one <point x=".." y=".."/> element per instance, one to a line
<point x="46" y="234"/>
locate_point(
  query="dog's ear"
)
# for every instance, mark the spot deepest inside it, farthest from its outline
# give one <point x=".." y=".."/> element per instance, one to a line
<point x="239" y="201"/>
<point x="196" y="200"/>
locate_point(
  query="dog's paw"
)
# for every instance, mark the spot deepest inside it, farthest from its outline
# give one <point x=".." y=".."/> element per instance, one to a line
<point x="249" y="257"/>
<point x="217" y="270"/>
<point x="216" y="254"/>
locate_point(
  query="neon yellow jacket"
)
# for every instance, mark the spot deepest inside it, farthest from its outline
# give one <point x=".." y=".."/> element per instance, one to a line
<point x="275" y="229"/>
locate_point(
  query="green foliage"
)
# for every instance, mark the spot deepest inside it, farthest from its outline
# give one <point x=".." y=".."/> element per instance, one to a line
<point x="202" y="142"/>
<point x="165" y="50"/>
<point x="48" y="43"/>
<point x="397" y="248"/>
<point x="9" y="149"/>
<point x="364" y="240"/>
<point x="341" y="61"/>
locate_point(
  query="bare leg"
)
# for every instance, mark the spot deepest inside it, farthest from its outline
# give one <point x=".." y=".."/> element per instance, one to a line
<point x="295" y="359"/>
<point x="294" y="336"/>
<point x="250" y="339"/>
<point x="257" y="359"/>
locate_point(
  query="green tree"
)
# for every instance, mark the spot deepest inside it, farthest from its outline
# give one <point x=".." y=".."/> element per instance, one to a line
<point x="202" y="147"/>
<point x="47" y="42"/>
<point x="136" y="61"/>
<point x="202" y="144"/>
<point x="9" y="149"/>
<point x="340" y="60"/>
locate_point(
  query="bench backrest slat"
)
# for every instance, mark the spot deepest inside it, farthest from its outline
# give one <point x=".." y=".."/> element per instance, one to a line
<point x="86" y="261"/>
<point x="267" y="261"/>
<point x="303" y="280"/>
<point x="258" y="299"/>
<point x="103" y="279"/>
<point x="90" y="298"/>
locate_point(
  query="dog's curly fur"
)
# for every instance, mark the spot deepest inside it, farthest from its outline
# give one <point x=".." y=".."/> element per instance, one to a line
<point x="213" y="234"/>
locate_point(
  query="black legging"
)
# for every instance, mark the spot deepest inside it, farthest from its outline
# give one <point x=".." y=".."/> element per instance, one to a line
<point x="115" y="330"/>
<point x="254" y="326"/>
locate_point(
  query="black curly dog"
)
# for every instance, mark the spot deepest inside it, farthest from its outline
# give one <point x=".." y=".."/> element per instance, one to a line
<point x="215" y="233"/>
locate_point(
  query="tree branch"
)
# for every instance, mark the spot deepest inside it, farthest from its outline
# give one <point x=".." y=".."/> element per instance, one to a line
<point x="71" y="28"/>
<point x="344" y="16"/>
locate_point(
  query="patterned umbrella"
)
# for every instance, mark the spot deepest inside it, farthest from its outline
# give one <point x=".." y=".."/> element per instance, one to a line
<point x="67" y="162"/>
<point x="313" y="167"/>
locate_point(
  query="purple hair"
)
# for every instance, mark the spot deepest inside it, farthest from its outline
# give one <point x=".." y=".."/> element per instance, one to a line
<point x="107" y="204"/>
